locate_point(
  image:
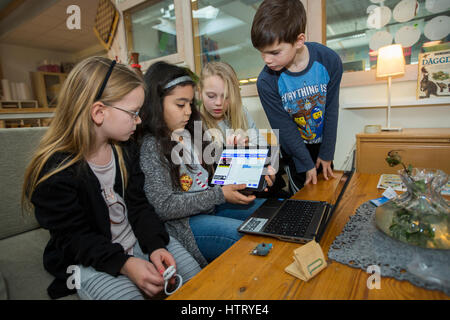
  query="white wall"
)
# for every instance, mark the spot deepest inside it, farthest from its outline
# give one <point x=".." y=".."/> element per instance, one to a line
<point x="352" y="121"/>
<point x="18" y="61"/>
<point x="256" y="110"/>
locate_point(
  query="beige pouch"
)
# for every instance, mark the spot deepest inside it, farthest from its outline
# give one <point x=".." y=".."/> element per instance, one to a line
<point x="308" y="261"/>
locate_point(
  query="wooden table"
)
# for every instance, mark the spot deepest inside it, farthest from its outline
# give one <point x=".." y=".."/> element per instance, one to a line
<point x="236" y="274"/>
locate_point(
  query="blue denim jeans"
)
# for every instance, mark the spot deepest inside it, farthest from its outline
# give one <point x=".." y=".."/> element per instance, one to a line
<point x="216" y="232"/>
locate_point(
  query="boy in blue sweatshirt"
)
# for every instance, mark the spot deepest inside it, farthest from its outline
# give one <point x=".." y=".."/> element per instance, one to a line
<point x="298" y="88"/>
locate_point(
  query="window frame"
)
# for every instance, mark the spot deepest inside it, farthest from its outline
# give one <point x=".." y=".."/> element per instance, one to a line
<point x="364" y="78"/>
<point x="316" y="11"/>
<point x="183" y="25"/>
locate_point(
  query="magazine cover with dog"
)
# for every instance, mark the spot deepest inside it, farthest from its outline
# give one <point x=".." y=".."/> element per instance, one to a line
<point x="434" y="75"/>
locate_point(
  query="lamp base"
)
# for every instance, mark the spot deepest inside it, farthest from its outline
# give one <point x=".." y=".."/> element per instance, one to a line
<point x="391" y="129"/>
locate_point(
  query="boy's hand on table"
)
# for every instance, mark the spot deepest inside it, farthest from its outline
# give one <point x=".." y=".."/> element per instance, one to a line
<point x="326" y="166"/>
<point x="311" y="176"/>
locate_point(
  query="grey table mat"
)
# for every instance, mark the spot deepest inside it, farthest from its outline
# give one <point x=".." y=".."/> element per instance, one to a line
<point x="361" y="245"/>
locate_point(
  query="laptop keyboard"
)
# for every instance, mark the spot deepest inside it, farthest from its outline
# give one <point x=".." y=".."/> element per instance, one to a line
<point x="293" y="218"/>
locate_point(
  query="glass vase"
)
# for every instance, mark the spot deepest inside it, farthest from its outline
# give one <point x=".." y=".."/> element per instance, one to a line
<point x="420" y="216"/>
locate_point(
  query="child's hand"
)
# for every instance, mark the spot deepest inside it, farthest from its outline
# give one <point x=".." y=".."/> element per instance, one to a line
<point x="270" y="177"/>
<point x="311" y="176"/>
<point x="144" y="274"/>
<point x="326" y="167"/>
<point x="237" y="140"/>
<point x="161" y="258"/>
<point x="232" y="194"/>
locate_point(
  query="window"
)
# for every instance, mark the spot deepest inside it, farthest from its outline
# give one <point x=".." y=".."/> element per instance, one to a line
<point x="153" y="32"/>
<point x="157" y="30"/>
<point x="193" y="32"/>
<point x="357" y="28"/>
<point x="222" y="33"/>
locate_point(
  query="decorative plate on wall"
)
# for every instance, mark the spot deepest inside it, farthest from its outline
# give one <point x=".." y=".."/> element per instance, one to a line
<point x="405" y="10"/>
<point x="437" y="28"/>
<point x="379" y="17"/>
<point x="407" y="36"/>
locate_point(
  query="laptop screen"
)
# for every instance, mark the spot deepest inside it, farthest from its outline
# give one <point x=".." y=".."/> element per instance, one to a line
<point x="337" y="196"/>
<point x="340" y="188"/>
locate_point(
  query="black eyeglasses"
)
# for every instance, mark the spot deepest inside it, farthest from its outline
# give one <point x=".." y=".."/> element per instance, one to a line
<point x="133" y="114"/>
<point x="105" y="81"/>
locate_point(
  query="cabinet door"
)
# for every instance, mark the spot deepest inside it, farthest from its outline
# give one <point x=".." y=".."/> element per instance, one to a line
<point x="371" y="155"/>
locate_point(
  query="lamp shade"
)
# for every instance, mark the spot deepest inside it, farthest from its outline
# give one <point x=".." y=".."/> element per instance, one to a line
<point x="391" y="61"/>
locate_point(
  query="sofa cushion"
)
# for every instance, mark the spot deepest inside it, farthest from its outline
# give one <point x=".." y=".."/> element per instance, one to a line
<point x="17" y="146"/>
<point x="22" y="267"/>
<point x="3" y="292"/>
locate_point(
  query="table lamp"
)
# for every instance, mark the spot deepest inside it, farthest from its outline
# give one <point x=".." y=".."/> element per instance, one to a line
<point x="390" y="62"/>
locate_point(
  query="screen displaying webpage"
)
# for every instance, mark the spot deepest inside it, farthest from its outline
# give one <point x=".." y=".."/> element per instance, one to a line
<point x="240" y="166"/>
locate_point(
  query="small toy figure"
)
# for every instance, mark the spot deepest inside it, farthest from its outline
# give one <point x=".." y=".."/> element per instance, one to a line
<point x="262" y="249"/>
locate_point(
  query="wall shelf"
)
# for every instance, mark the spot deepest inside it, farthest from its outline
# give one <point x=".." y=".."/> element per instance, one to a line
<point x="25" y="117"/>
<point x="15" y="104"/>
<point x="400" y="104"/>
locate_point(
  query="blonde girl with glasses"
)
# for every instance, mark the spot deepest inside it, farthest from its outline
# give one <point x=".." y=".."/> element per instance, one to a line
<point x="86" y="187"/>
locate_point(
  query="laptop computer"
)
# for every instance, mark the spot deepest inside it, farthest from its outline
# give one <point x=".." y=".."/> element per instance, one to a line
<point x="294" y="220"/>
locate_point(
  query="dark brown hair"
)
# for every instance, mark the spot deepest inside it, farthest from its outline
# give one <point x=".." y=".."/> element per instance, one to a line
<point x="278" y="21"/>
<point x="156" y="78"/>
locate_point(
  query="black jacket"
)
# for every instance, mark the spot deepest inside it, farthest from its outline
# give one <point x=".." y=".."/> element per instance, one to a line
<point x="70" y="205"/>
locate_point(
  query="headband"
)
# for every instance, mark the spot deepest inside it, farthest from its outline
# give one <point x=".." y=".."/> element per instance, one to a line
<point x="105" y="81"/>
<point x="178" y="80"/>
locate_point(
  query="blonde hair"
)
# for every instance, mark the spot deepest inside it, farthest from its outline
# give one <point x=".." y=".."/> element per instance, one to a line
<point x="235" y="113"/>
<point x="72" y="130"/>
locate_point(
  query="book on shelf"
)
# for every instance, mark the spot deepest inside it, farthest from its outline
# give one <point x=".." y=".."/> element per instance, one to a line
<point x="433" y="75"/>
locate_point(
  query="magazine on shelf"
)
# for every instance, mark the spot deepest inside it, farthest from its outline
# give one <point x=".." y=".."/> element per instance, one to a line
<point x="395" y="182"/>
<point x="391" y="180"/>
